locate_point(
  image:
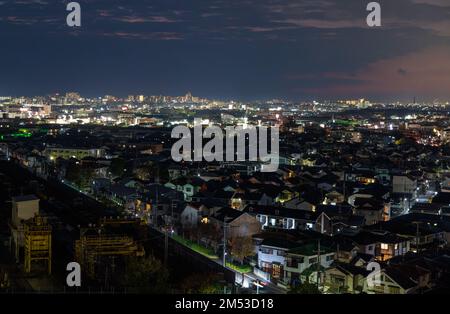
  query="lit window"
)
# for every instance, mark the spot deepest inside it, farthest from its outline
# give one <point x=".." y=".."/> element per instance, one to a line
<point x="384" y="246"/>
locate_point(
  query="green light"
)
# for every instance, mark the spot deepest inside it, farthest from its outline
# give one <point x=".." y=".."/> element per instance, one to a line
<point x="346" y="122"/>
<point x="25" y="135"/>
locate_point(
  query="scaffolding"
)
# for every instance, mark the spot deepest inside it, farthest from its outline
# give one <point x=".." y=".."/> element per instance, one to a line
<point x="37" y="243"/>
<point x="95" y="243"/>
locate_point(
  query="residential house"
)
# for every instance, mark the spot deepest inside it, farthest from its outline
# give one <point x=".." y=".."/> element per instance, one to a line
<point x="272" y="253"/>
<point x="237" y="223"/>
<point x="345" y="278"/>
<point x="333" y="219"/>
<point x="300" y="204"/>
<point x="304" y="256"/>
<point x="334" y="197"/>
<point x="430" y="231"/>
<point x="241" y="200"/>
<point x="404" y="184"/>
<point x="277" y="217"/>
<point x="373" y="210"/>
<point x="191" y="215"/>
<point x="187" y="187"/>
<point x="381" y="244"/>
<point x="397" y="280"/>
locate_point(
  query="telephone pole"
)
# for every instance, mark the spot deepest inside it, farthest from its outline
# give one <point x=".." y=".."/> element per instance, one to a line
<point x="155" y="219"/>
<point x="155" y="210"/>
<point x="224" y="241"/>
<point x="166" y="245"/>
<point x="343" y="187"/>
<point x="318" y="265"/>
<point x="417" y="235"/>
<point x="224" y="260"/>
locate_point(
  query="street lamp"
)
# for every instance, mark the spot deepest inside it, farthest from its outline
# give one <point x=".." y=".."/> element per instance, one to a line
<point x="258" y="285"/>
<point x="225" y="226"/>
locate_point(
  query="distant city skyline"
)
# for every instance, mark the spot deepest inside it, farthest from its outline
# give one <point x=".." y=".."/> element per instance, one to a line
<point x="299" y="50"/>
<point x="199" y="98"/>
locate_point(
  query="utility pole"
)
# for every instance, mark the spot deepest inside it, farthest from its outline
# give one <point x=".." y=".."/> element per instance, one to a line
<point x="166" y="245"/>
<point x="169" y="227"/>
<point x="417" y="238"/>
<point x="417" y="235"/>
<point x="322" y="222"/>
<point x="155" y="209"/>
<point x="318" y="265"/>
<point x="155" y="219"/>
<point x="171" y="214"/>
<point x="343" y="188"/>
<point x="224" y="241"/>
<point x="224" y="248"/>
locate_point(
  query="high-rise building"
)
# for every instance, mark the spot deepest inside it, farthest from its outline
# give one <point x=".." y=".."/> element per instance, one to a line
<point x="72" y="97"/>
<point x="188" y="97"/>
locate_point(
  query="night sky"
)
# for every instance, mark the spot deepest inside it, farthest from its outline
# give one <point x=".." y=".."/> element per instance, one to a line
<point x="228" y="49"/>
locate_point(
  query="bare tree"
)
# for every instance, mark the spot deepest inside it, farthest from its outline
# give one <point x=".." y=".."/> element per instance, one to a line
<point x="242" y="247"/>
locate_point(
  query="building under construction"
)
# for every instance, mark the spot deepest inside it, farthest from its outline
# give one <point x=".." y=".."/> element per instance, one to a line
<point x="101" y="249"/>
<point x="37" y="243"/>
<point x="24" y="208"/>
<point x="31" y="235"/>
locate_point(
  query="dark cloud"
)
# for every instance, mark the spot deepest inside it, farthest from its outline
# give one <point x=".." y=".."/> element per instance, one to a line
<point x="217" y="48"/>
